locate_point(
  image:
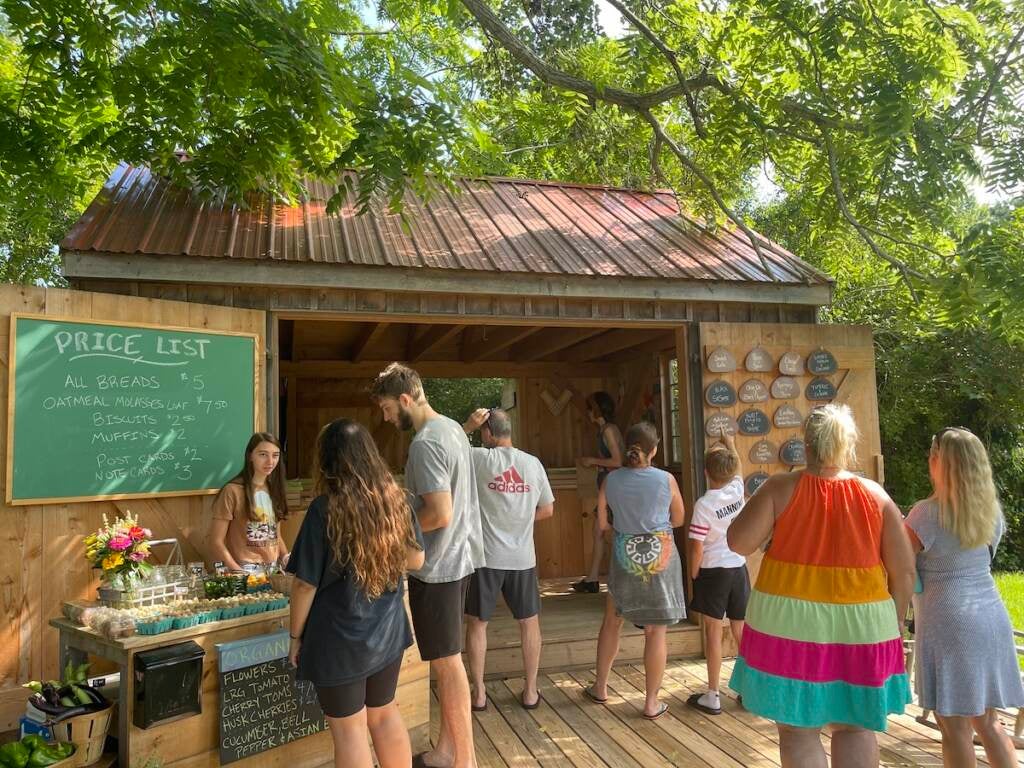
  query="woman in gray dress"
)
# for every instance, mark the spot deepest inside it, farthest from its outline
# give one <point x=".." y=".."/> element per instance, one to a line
<point x="966" y="662"/>
<point x="645" y="577"/>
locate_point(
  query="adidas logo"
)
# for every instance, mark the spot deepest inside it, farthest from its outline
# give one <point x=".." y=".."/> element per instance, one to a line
<point x="509" y="481"/>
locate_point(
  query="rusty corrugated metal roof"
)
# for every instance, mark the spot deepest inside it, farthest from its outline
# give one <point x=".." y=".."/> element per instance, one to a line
<point x="487" y="225"/>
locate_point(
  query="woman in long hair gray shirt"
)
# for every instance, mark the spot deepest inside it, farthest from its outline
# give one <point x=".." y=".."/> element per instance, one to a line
<point x="645" y="579"/>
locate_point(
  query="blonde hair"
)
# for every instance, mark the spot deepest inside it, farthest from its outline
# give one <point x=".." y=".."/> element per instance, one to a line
<point x="721" y="463"/>
<point x="831" y="436"/>
<point x="968" y="506"/>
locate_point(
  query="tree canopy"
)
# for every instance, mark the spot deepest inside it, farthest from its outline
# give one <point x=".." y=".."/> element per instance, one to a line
<point x="879" y="113"/>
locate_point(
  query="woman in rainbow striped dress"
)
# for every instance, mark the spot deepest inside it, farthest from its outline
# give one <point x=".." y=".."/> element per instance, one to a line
<point x="822" y="644"/>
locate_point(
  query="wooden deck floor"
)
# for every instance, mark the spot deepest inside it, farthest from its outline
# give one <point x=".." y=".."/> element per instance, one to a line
<point x="569" y="730"/>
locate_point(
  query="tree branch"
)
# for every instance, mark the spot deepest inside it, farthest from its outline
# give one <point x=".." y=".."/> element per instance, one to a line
<point x="833" y="168"/>
<point x="697" y="171"/>
<point x="639" y="102"/>
<point x="987" y="96"/>
<point x="668" y="53"/>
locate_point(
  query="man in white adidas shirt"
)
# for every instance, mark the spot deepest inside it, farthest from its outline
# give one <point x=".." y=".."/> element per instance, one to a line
<point x="721" y="585"/>
<point x="514" y="492"/>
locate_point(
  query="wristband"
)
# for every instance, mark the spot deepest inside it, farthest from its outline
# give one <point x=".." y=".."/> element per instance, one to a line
<point x="293" y="637"/>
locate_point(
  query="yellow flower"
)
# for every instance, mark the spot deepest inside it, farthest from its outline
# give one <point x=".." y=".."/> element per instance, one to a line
<point x="112" y="561"/>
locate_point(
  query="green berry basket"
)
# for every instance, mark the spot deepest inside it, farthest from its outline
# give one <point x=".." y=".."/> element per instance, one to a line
<point x="154" y="627"/>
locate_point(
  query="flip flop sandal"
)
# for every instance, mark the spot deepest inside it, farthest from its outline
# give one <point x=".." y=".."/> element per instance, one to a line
<point x="662" y="710"/>
<point x="475" y="708"/>
<point x="694" y="701"/>
<point x="530" y="706"/>
<point x="589" y="693"/>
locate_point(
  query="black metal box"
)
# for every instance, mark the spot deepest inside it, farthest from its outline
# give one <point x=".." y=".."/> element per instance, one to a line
<point x="168" y="683"/>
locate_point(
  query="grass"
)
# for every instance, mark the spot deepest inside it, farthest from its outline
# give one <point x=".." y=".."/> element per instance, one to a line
<point x="1011" y="587"/>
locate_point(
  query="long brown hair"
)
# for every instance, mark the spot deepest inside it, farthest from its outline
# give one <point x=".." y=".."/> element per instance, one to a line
<point x="369" y="522"/>
<point x="275" y="480"/>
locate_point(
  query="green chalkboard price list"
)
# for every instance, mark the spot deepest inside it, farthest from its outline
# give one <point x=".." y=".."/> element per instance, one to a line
<point x="108" y="410"/>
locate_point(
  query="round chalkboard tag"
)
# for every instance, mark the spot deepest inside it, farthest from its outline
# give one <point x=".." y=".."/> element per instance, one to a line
<point x="785" y="388"/>
<point x="787" y="416"/>
<point x="792" y="453"/>
<point x="720" y="394"/>
<point x="713" y="426"/>
<point x="753" y="391"/>
<point x="822" y="361"/>
<point x="821" y="389"/>
<point x="721" y="361"/>
<point x="754" y="482"/>
<point x="791" y="364"/>
<point x="754" y="422"/>
<point x="759" y="360"/>
<point x="764" y="452"/>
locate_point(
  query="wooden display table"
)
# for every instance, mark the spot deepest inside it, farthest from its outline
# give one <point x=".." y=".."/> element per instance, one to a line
<point x="194" y="740"/>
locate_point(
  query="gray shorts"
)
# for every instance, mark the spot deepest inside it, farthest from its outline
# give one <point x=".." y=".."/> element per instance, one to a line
<point x="519" y="588"/>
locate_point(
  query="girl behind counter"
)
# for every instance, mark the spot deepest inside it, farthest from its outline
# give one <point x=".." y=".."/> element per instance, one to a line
<point x="245" y="532"/>
<point x="348" y="623"/>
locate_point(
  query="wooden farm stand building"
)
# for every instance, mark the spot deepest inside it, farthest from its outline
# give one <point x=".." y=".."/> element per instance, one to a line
<point x="561" y="289"/>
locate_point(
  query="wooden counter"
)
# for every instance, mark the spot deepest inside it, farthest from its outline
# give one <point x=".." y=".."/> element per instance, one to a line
<point x="192" y="742"/>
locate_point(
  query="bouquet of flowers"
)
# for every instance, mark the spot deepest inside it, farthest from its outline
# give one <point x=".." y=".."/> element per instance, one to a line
<point x="119" y="549"/>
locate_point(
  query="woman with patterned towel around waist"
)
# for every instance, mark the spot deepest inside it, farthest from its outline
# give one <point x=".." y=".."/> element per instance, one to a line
<point x="645" y="578"/>
<point x="822" y="644"/>
<point x="966" y="662"/>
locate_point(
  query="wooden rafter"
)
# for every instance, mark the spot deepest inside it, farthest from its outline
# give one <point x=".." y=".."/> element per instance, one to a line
<point x="556" y="340"/>
<point x="665" y="342"/>
<point x="608" y="343"/>
<point x="494" y="340"/>
<point x="365" y="342"/>
<point x="435" y="336"/>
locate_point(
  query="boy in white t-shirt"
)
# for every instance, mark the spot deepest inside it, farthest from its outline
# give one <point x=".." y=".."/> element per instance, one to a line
<point x="721" y="585"/>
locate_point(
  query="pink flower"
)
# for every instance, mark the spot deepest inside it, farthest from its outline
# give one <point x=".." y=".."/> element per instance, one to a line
<point x="120" y="542"/>
<point x="148" y="533"/>
<point x="138" y="557"/>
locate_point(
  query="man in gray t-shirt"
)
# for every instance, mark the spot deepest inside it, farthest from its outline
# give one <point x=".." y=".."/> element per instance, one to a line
<point x="514" y="492"/>
<point x="439" y="477"/>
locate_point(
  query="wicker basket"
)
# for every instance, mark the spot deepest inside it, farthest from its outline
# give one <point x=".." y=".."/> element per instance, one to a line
<point x="87" y="732"/>
<point x="281" y="582"/>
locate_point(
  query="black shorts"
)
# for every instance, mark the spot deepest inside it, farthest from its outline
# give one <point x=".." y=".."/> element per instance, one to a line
<point x="376" y="690"/>
<point x="437" y="611"/>
<point x="519" y="588"/>
<point x="721" y="592"/>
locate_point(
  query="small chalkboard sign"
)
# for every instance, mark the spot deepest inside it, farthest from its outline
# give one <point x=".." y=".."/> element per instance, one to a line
<point x="714" y="425"/>
<point x="786" y="416"/>
<point x="721" y="361"/>
<point x="753" y="391"/>
<point x="793" y="453"/>
<point x="821" y="389"/>
<point x="755" y="481"/>
<point x="821" y="361"/>
<point x="759" y="360"/>
<point x="262" y="706"/>
<point x="791" y="364"/>
<point x="764" y="452"/>
<point x="785" y="388"/>
<point x="720" y="394"/>
<point x="754" y="422"/>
